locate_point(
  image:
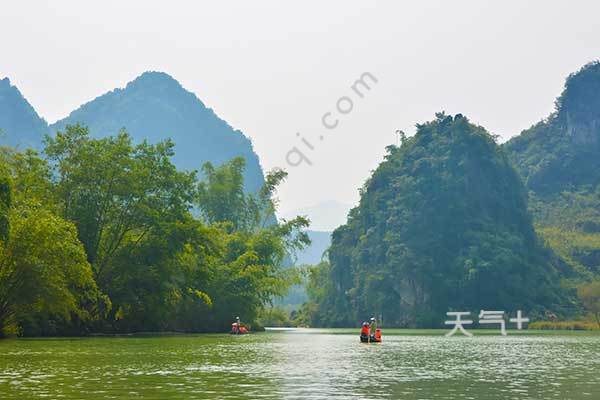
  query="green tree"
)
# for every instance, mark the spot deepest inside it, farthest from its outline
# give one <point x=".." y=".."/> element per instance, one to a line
<point x="132" y="211"/>
<point x="255" y="245"/>
<point x="131" y="233"/>
<point x="5" y="204"/>
<point x="161" y="282"/>
<point x="43" y="270"/>
<point x="115" y="192"/>
<point x="221" y="196"/>
<point x="319" y="286"/>
<point x="589" y="294"/>
<point x="30" y="176"/>
<point x="274" y="317"/>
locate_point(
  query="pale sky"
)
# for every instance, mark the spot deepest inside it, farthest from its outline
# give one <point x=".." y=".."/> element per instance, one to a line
<point x="273" y="68"/>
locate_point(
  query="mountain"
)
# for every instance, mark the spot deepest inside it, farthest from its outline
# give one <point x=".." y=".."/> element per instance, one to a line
<point x="154" y="107"/>
<point x="20" y="125"/>
<point x="324" y="216"/>
<point x="313" y="254"/>
<point x="442" y="224"/>
<point x="559" y="160"/>
<point x="563" y="151"/>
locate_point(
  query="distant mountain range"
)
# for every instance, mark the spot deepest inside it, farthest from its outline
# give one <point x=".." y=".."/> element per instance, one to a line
<point x="155" y="107"/>
<point x="20" y="125"/>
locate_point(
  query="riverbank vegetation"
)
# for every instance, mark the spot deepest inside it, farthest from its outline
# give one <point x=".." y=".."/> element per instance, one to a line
<point x="104" y="235"/>
<point x="581" y="325"/>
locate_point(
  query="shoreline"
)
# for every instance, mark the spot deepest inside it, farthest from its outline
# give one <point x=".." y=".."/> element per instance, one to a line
<point x="308" y="331"/>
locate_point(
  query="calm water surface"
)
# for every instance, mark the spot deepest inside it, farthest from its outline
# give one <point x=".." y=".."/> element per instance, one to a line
<point x="304" y="364"/>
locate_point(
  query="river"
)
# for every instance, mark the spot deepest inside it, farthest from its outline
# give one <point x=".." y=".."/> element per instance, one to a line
<point x="304" y="364"/>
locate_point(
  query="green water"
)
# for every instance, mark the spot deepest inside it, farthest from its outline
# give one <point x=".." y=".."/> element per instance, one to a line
<point x="304" y="364"/>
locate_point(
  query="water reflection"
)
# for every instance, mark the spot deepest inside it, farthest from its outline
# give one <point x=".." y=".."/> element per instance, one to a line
<point x="303" y="364"/>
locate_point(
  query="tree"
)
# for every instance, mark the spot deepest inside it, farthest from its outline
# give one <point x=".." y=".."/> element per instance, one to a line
<point x="221" y="196"/>
<point x="250" y="272"/>
<point x="43" y="270"/>
<point x="318" y="311"/>
<point x="161" y="283"/>
<point x="30" y="177"/>
<point x="589" y="294"/>
<point x="116" y="193"/>
<point x="5" y="204"/>
<point x="102" y="238"/>
<point x="132" y="211"/>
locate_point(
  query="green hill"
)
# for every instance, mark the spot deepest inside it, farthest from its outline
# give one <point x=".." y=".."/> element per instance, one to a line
<point x="20" y="125"/>
<point x="155" y="107"/>
<point x="559" y="160"/>
<point x="563" y="151"/>
<point x="442" y="224"/>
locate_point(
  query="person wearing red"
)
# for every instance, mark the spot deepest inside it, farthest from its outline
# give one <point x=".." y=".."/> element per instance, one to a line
<point x="365" y="332"/>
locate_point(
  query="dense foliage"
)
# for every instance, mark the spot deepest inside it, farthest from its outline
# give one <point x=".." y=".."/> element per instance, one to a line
<point x="559" y="160"/>
<point x="590" y="297"/>
<point x="442" y="224"/>
<point x="561" y="152"/>
<point x="101" y="236"/>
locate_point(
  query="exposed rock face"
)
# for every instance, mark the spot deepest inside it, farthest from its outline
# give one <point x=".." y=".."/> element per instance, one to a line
<point x="583" y="133"/>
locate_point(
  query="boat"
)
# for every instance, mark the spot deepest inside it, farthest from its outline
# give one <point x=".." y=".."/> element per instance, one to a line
<point x="238" y="329"/>
<point x="374" y="338"/>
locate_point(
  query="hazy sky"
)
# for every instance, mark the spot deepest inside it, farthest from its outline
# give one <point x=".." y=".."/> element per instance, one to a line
<point x="272" y="69"/>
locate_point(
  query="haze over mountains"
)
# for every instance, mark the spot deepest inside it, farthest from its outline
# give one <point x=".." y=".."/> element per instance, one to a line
<point x="20" y="124"/>
<point x="155" y="107"/>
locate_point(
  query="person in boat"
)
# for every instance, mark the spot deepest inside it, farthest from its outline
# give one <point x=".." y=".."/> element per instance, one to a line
<point x="369" y="332"/>
<point x="376" y="332"/>
<point x="365" y="332"/>
<point x="377" y="335"/>
<point x="237" y="328"/>
<point x="373" y="325"/>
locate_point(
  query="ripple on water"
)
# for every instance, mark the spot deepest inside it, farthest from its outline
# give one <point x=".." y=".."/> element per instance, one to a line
<point x="305" y="364"/>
